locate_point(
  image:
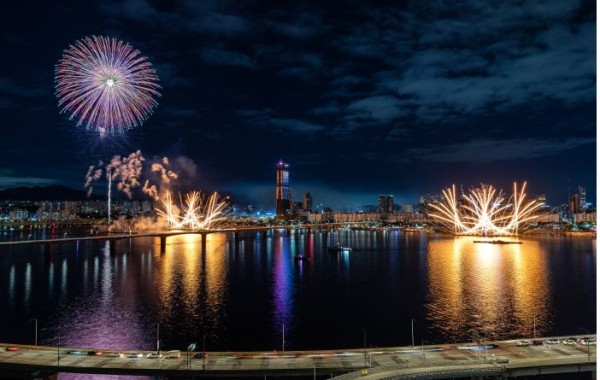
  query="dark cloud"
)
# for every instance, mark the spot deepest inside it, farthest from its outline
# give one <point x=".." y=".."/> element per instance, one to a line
<point x="383" y="108"/>
<point x="483" y="151"/>
<point x="219" y="56"/>
<point x="8" y="87"/>
<point x="295" y="126"/>
<point x="335" y="88"/>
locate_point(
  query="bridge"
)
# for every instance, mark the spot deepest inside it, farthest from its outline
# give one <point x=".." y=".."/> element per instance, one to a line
<point x="502" y="359"/>
<point x="163" y="235"/>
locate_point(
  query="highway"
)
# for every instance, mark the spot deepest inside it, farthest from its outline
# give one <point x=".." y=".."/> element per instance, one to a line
<point x="453" y="360"/>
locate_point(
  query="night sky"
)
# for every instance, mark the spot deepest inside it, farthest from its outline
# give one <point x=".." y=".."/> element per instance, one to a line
<point x="361" y="98"/>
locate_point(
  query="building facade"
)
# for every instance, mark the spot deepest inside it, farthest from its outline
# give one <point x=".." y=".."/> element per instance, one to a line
<point x="283" y="195"/>
<point x="307" y="202"/>
<point x="385" y="204"/>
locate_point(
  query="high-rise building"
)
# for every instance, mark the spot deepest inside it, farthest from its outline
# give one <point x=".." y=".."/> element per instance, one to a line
<point x="283" y="201"/>
<point x="582" y="200"/>
<point x="386" y="204"/>
<point x="307" y="202"/>
<point x="574" y="204"/>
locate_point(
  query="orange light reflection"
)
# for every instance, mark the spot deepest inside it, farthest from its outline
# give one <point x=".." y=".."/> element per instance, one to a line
<point x="487" y="290"/>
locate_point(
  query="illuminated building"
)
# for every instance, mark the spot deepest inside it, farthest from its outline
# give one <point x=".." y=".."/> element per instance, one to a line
<point x="386" y="204"/>
<point x="283" y="195"/>
<point x="307" y="202"/>
<point x="582" y="200"/>
<point x="575" y="204"/>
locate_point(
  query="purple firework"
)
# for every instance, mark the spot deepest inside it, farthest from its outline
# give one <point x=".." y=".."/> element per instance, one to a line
<point x="106" y="85"/>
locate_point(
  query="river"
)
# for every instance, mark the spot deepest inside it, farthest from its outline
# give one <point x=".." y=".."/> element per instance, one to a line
<point x="253" y="294"/>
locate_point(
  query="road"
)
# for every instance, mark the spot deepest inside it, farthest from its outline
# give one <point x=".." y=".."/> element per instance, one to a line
<point x="379" y="362"/>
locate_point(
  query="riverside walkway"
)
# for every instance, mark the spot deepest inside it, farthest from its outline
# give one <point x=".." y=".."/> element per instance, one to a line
<point x="497" y="359"/>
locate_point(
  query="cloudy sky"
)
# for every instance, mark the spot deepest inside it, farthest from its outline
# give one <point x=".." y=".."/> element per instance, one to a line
<point x="361" y="98"/>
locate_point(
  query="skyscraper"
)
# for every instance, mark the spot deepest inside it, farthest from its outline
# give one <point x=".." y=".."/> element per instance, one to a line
<point x="386" y="204"/>
<point x="582" y="200"/>
<point x="307" y="202"/>
<point x="283" y="194"/>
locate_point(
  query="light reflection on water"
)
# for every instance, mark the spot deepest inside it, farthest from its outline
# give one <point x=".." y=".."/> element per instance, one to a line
<point x="191" y="283"/>
<point x="239" y="293"/>
<point x="488" y="289"/>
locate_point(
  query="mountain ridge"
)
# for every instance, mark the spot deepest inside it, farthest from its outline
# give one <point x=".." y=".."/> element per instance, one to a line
<point x="47" y="193"/>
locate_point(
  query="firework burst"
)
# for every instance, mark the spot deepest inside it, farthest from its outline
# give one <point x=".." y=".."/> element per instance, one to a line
<point x="484" y="211"/>
<point x="106" y="85"/>
<point x="196" y="212"/>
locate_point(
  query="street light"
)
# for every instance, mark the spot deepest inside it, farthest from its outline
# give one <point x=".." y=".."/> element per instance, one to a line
<point x="58" y="352"/>
<point x="204" y="351"/>
<point x="486" y="352"/>
<point x="587" y="342"/>
<point x="157" y="339"/>
<point x="36" y="328"/>
<point x="412" y="331"/>
<point x="365" y="343"/>
<point x="191" y="347"/>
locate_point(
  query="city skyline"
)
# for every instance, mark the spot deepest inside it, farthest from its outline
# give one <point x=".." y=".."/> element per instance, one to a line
<point x="360" y="100"/>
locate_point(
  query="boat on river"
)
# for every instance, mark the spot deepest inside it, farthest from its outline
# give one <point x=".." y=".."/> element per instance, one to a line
<point x="339" y="249"/>
<point x="498" y="241"/>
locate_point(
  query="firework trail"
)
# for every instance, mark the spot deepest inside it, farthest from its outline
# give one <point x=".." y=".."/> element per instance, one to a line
<point x="92" y="175"/>
<point x="106" y="85"/>
<point x="126" y="171"/>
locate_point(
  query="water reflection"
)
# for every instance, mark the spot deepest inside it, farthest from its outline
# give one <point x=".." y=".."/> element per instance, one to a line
<point x="11" y="287"/>
<point x="215" y="277"/>
<point x="487" y="289"/>
<point x="101" y="312"/>
<point x="27" y="294"/>
<point x="282" y="297"/>
<point x="192" y="283"/>
<point x="113" y="295"/>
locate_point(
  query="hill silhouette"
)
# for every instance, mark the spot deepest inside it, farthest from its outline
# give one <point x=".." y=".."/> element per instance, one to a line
<point x="47" y="193"/>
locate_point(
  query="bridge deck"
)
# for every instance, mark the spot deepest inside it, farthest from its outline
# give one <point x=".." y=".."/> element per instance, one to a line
<point x="390" y="362"/>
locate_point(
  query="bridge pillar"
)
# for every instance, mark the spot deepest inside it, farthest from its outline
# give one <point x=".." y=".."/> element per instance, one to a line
<point x="163" y="244"/>
<point x="263" y="241"/>
<point x="48" y="249"/>
<point x="203" y="243"/>
<point x="112" y="246"/>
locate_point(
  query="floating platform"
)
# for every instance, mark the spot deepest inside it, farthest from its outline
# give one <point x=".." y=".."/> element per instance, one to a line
<point x="497" y="241"/>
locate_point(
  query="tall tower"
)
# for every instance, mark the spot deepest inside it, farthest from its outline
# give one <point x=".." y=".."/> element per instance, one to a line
<point x="282" y="193"/>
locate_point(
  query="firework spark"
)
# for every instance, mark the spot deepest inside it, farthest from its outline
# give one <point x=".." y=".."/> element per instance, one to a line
<point x="125" y="171"/>
<point x="196" y="212"/>
<point x="106" y="85"/>
<point x="484" y="211"/>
